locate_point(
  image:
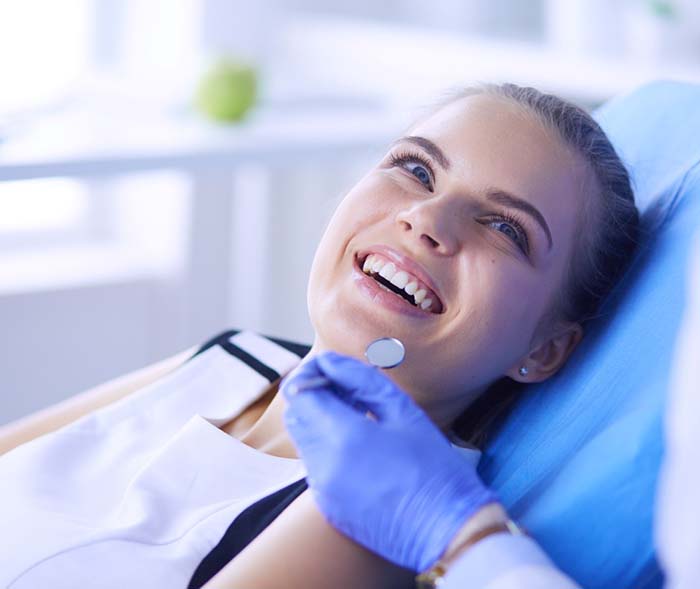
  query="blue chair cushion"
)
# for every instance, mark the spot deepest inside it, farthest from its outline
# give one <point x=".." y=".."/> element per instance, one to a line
<point x="576" y="461"/>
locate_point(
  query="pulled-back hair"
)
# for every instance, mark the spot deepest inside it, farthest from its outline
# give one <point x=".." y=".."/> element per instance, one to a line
<point x="607" y="228"/>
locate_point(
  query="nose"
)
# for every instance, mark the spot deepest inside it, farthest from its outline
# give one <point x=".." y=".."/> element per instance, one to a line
<point x="432" y="222"/>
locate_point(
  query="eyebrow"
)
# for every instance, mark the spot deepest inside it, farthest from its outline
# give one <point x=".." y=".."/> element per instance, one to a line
<point x="510" y="200"/>
<point x="496" y="194"/>
<point x="433" y="150"/>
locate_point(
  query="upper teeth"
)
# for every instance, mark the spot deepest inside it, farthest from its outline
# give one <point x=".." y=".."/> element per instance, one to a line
<point x="374" y="264"/>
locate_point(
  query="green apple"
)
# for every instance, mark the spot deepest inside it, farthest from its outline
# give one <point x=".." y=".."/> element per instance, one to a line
<point x="227" y="90"/>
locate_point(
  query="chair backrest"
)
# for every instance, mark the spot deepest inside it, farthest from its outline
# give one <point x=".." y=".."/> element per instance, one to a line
<point x="577" y="460"/>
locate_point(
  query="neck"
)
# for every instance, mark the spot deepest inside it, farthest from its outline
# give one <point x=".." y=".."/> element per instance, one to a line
<point x="269" y="435"/>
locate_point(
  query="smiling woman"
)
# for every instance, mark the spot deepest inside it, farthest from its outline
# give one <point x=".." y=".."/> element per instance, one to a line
<point x="518" y="212"/>
<point x="483" y="240"/>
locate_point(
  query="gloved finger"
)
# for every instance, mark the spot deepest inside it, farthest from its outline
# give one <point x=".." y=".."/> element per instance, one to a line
<point x="301" y="373"/>
<point x="309" y="372"/>
<point x="361" y="383"/>
<point x="315" y="418"/>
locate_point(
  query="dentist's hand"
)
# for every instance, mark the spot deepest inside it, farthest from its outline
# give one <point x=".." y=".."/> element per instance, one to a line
<point x="394" y="484"/>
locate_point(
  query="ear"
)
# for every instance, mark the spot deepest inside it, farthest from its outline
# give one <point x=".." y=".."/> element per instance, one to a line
<point x="550" y="355"/>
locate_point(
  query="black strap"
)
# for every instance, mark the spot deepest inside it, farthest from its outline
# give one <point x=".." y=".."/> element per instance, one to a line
<point x="224" y="336"/>
<point x="223" y="340"/>
<point x="244" y="529"/>
<point x="260" y="367"/>
<point x="254" y="519"/>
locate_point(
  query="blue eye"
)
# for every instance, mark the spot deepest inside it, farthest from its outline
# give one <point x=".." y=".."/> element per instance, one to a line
<point x="423" y="171"/>
<point x="508" y="230"/>
<point x="513" y="229"/>
<point x="421" y="174"/>
<point x="506" y="223"/>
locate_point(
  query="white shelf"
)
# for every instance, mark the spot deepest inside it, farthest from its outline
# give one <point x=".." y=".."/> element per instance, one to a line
<point x="83" y="142"/>
<point x="395" y="68"/>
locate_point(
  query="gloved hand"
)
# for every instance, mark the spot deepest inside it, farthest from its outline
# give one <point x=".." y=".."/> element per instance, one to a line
<point x="394" y="484"/>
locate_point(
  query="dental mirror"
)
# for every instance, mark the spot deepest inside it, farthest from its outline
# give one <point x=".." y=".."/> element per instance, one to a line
<point x="385" y="352"/>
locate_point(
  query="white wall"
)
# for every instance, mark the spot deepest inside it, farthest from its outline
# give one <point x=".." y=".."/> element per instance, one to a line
<point x="57" y="343"/>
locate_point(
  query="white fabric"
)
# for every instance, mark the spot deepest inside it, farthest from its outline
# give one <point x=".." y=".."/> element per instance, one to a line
<point x="276" y="357"/>
<point x="503" y="561"/>
<point x="677" y="530"/>
<point x="532" y="577"/>
<point x="136" y="494"/>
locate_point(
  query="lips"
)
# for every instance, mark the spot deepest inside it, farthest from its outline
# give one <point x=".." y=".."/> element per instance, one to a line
<point x="403" y="262"/>
<point x="384" y="297"/>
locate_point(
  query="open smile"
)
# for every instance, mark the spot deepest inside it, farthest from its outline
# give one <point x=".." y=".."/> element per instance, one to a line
<point x="382" y="291"/>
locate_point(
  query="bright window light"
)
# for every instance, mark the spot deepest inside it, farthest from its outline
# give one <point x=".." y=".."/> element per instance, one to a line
<point x="44" y="46"/>
<point x="41" y="205"/>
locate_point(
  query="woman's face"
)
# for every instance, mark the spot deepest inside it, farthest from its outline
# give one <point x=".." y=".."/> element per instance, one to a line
<point x="481" y="207"/>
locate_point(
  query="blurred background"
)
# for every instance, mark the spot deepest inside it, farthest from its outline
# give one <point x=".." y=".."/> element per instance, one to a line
<point x="135" y="221"/>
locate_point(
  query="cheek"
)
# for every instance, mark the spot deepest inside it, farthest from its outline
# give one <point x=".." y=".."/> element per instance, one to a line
<point x="499" y="306"/>
<point x="360" y="209"/>
<point x="516" y="300"/>
<point x="363" y="208"/>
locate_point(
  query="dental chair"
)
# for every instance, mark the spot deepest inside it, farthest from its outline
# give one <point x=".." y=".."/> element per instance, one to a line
<point x="576" y="461"/>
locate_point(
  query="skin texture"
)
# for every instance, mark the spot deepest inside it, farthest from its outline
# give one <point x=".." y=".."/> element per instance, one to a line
<point x="494" y="295"/>
<point x="495" y="298"/>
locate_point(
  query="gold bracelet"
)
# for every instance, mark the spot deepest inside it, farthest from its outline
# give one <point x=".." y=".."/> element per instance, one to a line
<point x="433" y="577"/>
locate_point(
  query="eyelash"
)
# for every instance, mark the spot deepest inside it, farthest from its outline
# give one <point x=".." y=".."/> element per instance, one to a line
<point x="401" y="158"/>
<point x="517" y="224"/>
<point x="398" y="159"/>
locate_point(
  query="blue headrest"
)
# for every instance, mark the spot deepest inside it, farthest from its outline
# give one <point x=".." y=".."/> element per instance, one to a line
<point x="577" y="459"/>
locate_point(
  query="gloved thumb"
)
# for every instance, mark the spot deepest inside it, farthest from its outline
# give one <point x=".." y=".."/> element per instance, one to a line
<point x="361" y="384"/>
<point x="319" y="416"/>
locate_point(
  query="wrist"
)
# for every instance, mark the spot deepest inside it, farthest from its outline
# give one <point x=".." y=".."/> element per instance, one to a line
<point x="490" y="519"/>
<point x="491" y="516"/>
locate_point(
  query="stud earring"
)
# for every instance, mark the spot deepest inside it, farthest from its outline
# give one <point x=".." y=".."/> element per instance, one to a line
<point x="523" y="371"/>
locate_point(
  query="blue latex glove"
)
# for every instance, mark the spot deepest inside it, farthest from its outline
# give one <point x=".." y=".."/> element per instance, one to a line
<point x="394" y="484"/>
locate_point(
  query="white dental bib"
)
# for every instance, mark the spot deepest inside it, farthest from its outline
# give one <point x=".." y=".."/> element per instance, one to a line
<point x="136" y="494"/>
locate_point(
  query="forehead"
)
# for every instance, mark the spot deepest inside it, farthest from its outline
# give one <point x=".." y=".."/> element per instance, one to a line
<point x="493" y="143"/>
